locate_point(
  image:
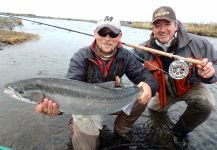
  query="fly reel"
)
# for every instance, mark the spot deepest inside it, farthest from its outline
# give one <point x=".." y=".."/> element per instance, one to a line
<point x="178" y="69"/>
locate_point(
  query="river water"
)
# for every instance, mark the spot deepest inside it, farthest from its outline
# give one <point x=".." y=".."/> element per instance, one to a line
<point x="50" y="55"/>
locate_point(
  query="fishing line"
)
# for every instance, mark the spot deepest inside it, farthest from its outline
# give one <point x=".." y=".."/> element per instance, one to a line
<point x="53" y="26"/>
<point x="143" y="60"/>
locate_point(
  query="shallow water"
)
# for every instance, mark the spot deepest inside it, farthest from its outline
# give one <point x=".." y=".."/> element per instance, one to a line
<point x="49" y="57"/>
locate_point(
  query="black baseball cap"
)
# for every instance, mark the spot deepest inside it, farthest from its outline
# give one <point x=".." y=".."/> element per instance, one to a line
<point x="164" y="12"/>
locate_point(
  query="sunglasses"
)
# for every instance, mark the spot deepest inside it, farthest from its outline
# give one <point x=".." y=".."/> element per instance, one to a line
<point x="104" y="33"/>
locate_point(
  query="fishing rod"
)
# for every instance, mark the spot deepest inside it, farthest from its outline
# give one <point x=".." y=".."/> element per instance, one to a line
<point x="52" y="26"/>
<point x="178" y="69"/>
<point x="190" y="60"/>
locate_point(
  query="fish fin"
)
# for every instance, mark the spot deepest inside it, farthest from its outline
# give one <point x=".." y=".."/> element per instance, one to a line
<point x="127" y="109"/>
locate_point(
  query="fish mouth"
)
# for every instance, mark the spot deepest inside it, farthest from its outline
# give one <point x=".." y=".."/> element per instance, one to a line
<point x="12" y="93"/>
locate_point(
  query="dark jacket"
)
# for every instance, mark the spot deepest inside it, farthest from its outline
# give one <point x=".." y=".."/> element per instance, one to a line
<point x="132" y="68"/>
<point x="185" y="45"/>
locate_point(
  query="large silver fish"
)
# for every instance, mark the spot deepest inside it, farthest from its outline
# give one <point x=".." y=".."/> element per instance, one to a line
<point x="72" y="96"/>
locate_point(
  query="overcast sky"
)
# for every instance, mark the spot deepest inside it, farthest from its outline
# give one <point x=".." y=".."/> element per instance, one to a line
<point x="132" y="10"/>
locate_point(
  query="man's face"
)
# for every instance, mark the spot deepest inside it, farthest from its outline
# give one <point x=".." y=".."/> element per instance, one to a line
<point x="164" y="30"/>
<point x="107" y="40"/>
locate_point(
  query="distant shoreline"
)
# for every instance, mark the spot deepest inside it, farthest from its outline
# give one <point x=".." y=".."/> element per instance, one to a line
<point x="203" y="29"/>
<point x="199" y="29"/>
<point x="195" y="28"/>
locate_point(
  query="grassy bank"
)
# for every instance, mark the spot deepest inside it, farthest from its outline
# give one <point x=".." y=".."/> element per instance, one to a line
<point x="202" y="29"/>
<point x="196" y="28"/>
<point x="12" y="37"/>
<point x="199" y="29"/>
<point x="9" y="37"/>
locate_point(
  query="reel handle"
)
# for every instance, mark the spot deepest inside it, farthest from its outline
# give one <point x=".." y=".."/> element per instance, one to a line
<point x="195" y="61"/>
<point x="190" y="60"/>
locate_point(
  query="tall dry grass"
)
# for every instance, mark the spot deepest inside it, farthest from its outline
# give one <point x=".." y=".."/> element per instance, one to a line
<point x="8" y="37"/>
<point x="202" y="29"/>
<point x="195" y="28"/>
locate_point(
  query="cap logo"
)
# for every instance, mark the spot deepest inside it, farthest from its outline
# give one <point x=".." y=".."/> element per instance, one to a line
<point x="162" y="12"/>
<point x="107" y="18"/>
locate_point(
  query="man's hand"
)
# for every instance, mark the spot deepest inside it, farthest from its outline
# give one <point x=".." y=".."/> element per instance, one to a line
<point x="206" y="71"/>
<point x="147" y="93"/>
<point x="47" y="107"/>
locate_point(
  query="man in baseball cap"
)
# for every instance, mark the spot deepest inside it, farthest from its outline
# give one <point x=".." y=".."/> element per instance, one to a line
<point x="168" y="34"/>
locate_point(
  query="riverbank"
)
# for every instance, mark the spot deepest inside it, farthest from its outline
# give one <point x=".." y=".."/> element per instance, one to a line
<point x="195" y="28"/>
<point x="8" y="37"/>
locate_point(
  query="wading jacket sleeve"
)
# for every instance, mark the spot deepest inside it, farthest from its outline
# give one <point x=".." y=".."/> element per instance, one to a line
<point x="132" y="68"/>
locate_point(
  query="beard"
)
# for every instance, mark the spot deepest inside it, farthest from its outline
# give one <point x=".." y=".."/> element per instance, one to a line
<point x="105" y="55"/>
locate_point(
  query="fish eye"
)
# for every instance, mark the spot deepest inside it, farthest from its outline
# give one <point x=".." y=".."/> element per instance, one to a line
<point x="20" y="91"/>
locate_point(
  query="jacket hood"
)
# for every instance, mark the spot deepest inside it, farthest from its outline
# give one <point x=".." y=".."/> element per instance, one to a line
<point x="182" y="35"/>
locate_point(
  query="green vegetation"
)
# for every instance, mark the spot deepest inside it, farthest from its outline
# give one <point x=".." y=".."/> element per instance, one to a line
<point x="199" y="29"/>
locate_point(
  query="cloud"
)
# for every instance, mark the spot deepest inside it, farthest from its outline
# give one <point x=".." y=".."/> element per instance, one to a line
<point x="139" y="10"/>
